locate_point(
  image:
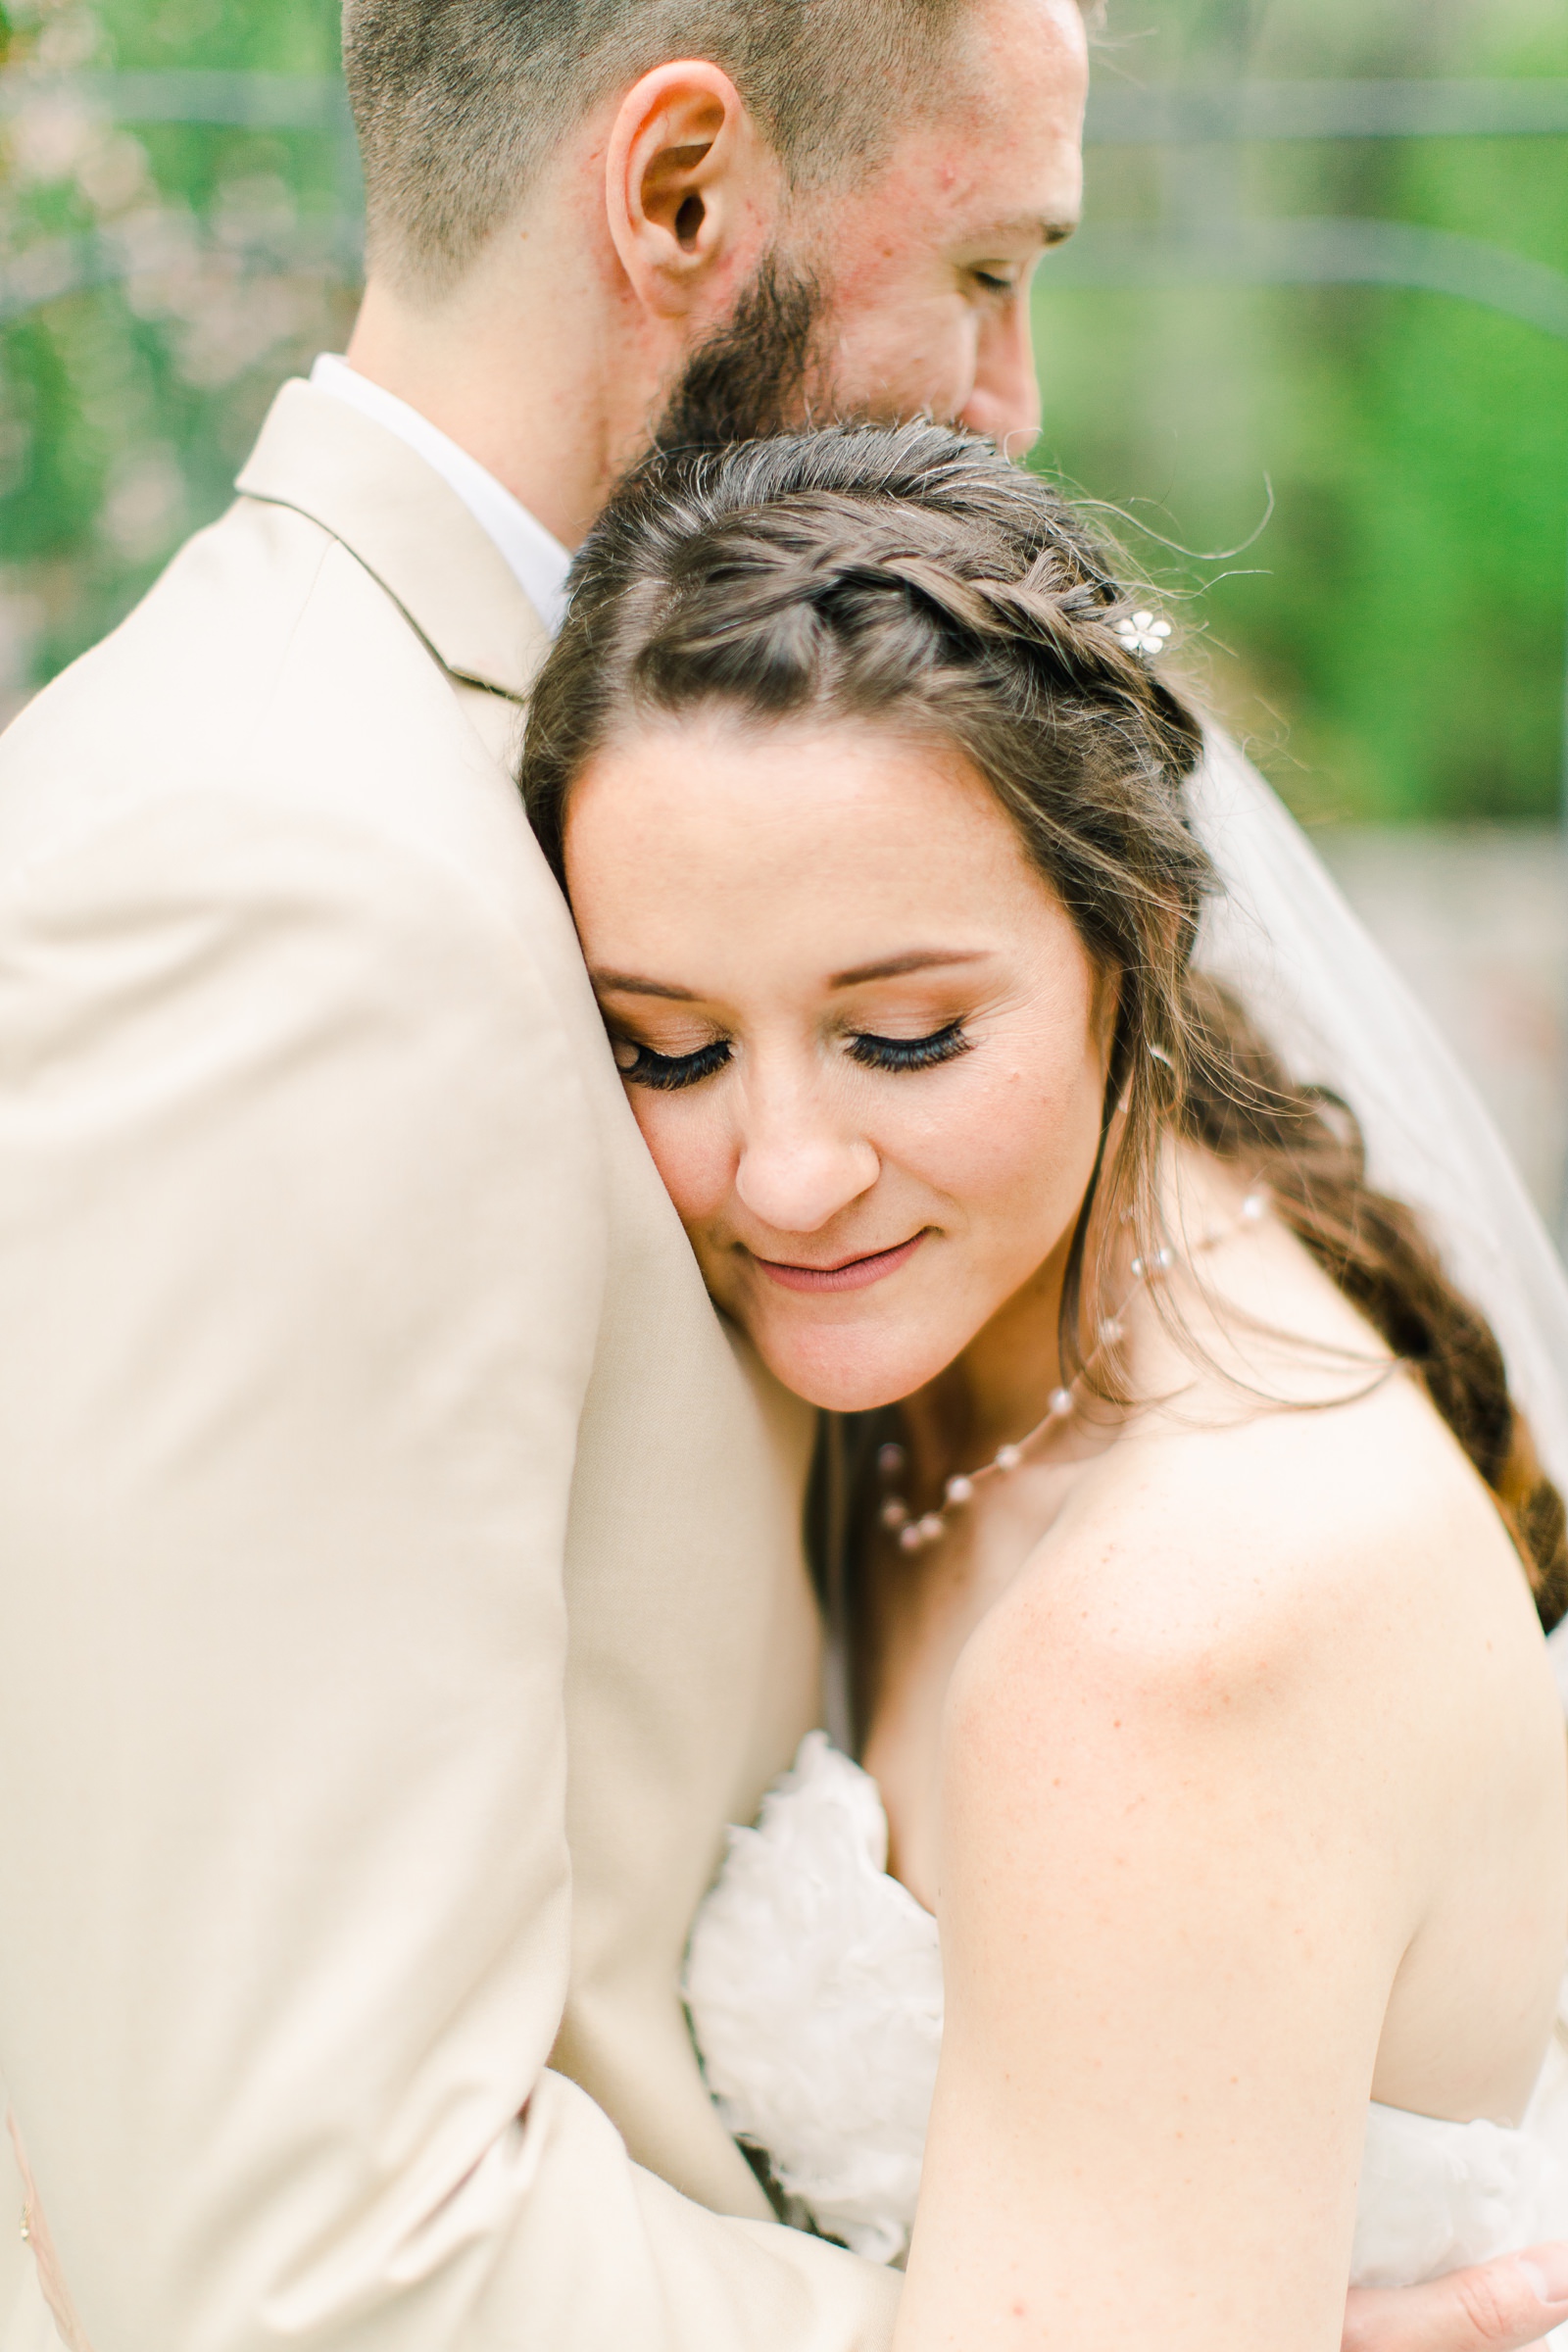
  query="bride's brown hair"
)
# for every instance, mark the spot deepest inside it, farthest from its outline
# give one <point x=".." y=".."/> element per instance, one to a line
<point x="913" y="579"/>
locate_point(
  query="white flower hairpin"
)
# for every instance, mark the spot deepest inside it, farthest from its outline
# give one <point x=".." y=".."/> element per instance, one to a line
<point x="1142" y="634"/>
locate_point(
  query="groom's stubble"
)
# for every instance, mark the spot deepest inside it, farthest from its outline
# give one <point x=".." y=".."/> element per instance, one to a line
<point x="763" y="370"/>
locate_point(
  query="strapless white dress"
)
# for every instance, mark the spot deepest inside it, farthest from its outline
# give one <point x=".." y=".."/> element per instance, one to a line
<point x="814" y="1983"/>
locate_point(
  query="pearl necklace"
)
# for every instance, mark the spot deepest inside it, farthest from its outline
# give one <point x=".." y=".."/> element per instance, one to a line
<point x="915" y="1534"/>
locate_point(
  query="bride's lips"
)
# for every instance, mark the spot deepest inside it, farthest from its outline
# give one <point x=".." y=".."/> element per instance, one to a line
<point x="853" y="1275"/>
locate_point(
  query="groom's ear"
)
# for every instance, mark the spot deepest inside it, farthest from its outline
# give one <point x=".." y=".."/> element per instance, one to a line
<point x="692" y="189"/>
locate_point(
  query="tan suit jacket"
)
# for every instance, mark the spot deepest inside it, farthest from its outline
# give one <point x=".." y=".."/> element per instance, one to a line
<point x="398" y="1565"/>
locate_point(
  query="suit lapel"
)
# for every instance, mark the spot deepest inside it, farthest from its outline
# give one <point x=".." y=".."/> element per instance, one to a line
<point x="407" y="527"/>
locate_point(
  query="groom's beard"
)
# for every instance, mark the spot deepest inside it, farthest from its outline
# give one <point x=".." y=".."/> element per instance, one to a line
<point x="759" y="373"/>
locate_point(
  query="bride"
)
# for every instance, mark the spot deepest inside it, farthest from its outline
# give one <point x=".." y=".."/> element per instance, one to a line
<point x="1188" y="1554"/>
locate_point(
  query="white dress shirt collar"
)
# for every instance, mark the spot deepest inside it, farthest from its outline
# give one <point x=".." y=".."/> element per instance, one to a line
<point x="534" y="556"/>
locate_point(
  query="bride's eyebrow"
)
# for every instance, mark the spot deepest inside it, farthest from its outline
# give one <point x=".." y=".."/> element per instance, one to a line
<point x="894" y="967"/>
<point x="889" y="967"/>
<point x="628" y="984"/>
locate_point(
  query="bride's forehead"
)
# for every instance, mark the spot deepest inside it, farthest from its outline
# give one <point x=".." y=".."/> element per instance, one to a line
<point x="785" y="799"/>
<point x="724" y="861"/>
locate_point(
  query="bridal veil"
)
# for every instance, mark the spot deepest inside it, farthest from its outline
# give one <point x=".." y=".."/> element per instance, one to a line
<point x="1339" y="1016"/>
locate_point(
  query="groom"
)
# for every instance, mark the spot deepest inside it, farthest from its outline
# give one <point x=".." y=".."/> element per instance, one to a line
<point x="399" y="1588"/>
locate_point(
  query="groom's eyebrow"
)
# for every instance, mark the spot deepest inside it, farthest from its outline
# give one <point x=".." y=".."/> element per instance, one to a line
<point x="1026" y="228"/>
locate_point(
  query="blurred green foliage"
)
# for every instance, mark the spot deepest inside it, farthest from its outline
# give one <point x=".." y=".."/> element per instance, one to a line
<point x="125" y="409"/>
<point x="1394" y="643"/>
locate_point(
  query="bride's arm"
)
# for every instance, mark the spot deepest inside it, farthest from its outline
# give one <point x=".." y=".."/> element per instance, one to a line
<point x="1175" y="1894"/>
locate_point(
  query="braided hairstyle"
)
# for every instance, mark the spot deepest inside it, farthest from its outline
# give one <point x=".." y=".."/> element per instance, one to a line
<point x="912" y="577"/>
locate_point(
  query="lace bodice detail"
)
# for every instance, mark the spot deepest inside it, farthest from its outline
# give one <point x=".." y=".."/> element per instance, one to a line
<point x="814" y="1986"/>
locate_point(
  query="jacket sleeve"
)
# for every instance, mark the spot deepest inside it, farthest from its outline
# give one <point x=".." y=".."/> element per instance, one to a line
<point x="301" y="1251"/>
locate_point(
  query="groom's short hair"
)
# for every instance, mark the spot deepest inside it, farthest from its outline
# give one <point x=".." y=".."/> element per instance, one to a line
<point x="458" y="103"/>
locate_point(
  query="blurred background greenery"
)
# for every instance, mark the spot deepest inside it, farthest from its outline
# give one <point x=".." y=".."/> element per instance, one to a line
<point x="1391" y="642"/>
<point x="126" y="407"/>
<point x="1397" y="653"/>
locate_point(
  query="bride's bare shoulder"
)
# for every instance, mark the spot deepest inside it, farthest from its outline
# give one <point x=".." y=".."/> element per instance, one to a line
<point x="1342" y="1562"/>
<point x="1270" y="1676"/>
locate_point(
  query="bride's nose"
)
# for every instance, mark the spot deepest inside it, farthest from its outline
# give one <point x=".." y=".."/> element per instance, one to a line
<point x="798" y="1167"/>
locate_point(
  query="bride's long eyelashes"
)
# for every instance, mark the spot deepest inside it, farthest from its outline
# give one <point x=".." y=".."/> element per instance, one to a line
<point x="667" y="1073"/>
<point x="910" y="1052"/>
<point x="640" y="1065"/>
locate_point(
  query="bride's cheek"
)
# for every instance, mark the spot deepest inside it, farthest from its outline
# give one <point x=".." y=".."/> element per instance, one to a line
<point x="992" y="1132"/>
<point x="1018" y="1160"/>
<point x="690" y="1150"/>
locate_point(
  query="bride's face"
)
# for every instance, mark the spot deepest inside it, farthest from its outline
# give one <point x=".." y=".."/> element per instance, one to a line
<point x="861" y="1035"/>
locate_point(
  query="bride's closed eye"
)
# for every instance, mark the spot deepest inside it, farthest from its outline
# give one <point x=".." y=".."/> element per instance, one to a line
<point x="640" y="1065"/>
<point x="667" y="1073"/>
<point x="908" y="1053"/>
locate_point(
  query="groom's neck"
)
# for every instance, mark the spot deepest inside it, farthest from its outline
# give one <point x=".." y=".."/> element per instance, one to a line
<point x="511" y="363"/>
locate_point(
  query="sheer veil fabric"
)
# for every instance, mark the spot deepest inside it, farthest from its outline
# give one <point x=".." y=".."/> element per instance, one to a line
<point x="1341" y="1017"/>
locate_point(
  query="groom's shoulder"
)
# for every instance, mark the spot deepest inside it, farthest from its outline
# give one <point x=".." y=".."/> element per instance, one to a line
<point x="265" y="668"/>
<point x="196" y="659"/>
<point x="256" y="617"/>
